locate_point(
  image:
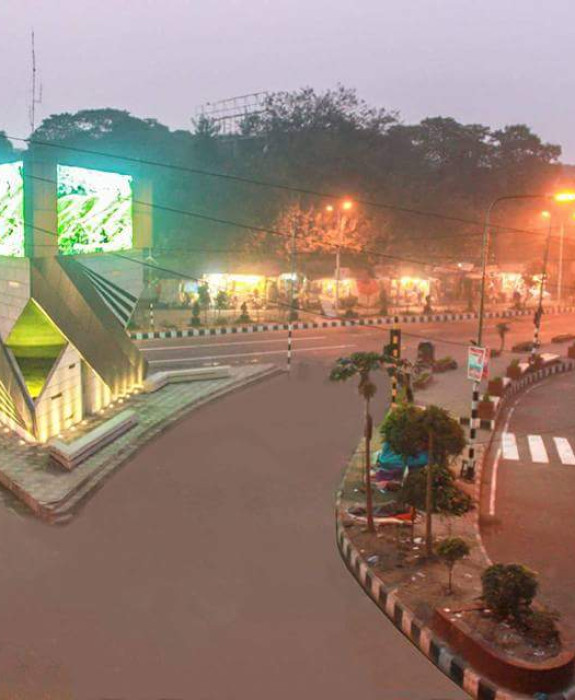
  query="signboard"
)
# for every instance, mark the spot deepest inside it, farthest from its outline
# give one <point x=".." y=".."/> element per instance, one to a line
<point x="476" y="358"/>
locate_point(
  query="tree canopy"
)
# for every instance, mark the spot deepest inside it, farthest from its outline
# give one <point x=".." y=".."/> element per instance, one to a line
<point x="329" y="141"/>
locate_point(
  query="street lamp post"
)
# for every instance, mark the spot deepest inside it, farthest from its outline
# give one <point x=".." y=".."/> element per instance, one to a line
<point x="539" y="312"/>
<point x="468" y="468"/>
<point x="346" y="205"/>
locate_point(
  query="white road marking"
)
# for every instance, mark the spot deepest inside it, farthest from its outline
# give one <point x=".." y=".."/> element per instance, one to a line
<point x="248" y="354"/>
<point x="564" y="450"/>
<point x="494" y="483"/>
<point x="537" y="449"/>
<point x="222" y="345"/>
<point x="509" y="446"/>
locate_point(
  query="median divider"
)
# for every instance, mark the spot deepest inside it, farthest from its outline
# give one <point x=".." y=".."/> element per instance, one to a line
<point x="339" y="323"/>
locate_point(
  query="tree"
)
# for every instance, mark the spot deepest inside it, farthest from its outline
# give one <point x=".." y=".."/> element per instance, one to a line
<point x="7" y="152"/>
<point x="361" y="365"/>
<point x="196" y="314"/>
<point x="502" y="330"/>
<point x="432" y="489"/>
<point x="204" y="299"/>
<point x="450" y="551"/>
<point x="508" y="589"/>
<point x="222" y="301"/>
<point x="244" y="315"/>
<point x="402" y="431"/>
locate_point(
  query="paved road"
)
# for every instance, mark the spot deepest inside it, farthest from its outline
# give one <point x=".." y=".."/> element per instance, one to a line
<point x="453" y="390"/>
<point x="531" y="519"/>
<point x="207" y="568"/>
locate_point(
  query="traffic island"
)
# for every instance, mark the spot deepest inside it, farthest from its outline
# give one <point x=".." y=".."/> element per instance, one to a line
<point x="54" y="494"/>
<point x="412" y="591"/>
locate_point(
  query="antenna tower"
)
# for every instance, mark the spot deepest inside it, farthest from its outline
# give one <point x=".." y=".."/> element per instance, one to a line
<point x="36" y="97"/>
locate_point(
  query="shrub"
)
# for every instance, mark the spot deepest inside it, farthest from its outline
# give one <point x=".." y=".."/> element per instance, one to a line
<point x="508" y="589"/>
<point x="195" y="320"/>
<point x="450" y="551"/>
<point x="244" y="315"/>
<point x="422" y="380"/>
<point x="539" y="626"/>
<point x="495" y="386"/>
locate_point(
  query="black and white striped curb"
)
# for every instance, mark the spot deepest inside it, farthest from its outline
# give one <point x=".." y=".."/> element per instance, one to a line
<point x="439" y="653"/>
<point x="517" y="386"/>
<point x="419" y="634"/>
<point x="338" y="323"/>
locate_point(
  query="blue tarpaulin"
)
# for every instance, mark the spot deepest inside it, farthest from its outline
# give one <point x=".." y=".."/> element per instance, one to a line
<point x="390" y="465"/>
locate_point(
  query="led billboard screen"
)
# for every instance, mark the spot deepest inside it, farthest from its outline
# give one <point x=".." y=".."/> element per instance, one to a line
<point x="94" y="211"/>
<point x="11" y="210"/>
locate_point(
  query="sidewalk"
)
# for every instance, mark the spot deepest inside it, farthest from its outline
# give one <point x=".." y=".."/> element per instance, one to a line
<point x="53" y="493"/>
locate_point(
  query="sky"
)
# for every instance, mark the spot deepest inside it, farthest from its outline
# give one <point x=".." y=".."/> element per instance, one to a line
<point x="494" y="62"/>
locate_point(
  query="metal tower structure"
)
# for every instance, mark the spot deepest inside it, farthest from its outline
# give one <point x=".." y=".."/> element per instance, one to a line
<point x="229" y="114"/>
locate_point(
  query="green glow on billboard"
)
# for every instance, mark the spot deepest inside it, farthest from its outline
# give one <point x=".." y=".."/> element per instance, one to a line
<point x="11" y="210"/>
<point x="94" y="211"/>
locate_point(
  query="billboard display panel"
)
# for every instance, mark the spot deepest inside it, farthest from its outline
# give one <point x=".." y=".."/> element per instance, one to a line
<point x="11" y="209"/>
<point x="94" y="211"/>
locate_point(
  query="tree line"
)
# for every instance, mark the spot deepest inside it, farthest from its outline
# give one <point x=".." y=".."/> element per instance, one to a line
<point x="328" y="141"/>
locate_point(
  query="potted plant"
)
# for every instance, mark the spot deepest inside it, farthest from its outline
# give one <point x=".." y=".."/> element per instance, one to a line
<point x="513" y="370"/>
<point x="422" y="380"/>
<point x="495" y="387"/>
<point x="486" y="408"/>
<point x="444" y="364"/>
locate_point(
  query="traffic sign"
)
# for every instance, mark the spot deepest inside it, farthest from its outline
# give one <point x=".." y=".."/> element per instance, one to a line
<point x="476" y="358"/>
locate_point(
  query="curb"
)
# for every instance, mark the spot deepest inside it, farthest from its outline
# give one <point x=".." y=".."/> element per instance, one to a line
<point x="305" y="325"/>
<point x="387" y="600"/>
<point x="516" y="387"/>
<point x="453" y="666"/>
<point x="432" y="646"/>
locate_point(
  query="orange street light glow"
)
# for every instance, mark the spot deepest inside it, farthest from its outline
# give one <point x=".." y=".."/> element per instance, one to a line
<point x="565" y="197"/>
<point x="546" y="214"/>
<point x="347" y="205"/>
<point x="329" y="208"/>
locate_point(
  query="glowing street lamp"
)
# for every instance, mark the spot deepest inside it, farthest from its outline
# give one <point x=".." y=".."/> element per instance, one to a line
<point x="564" y="197"/>
<point x="346" y="205"/>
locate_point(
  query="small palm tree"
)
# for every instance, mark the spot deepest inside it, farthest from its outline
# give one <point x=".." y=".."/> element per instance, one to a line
<point x="502" y="330"/>
<point x="362" y="364"/>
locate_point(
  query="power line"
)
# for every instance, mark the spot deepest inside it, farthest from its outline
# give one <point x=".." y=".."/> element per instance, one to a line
<point x="271" y="185"/>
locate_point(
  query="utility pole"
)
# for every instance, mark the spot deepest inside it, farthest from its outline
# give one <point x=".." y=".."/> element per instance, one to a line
<point x="429" y="496"/>
<point x="341" y="226"/>
<point x="560" y="262"/>
<point x="539" y="312"/>
<point x="291" y="310"/>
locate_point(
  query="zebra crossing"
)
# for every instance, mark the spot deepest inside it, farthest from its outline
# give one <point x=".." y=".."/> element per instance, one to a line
<point x="536" y="449"/>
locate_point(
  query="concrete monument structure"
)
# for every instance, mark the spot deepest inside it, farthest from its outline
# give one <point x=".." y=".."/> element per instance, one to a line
<point x="72" y="238"/>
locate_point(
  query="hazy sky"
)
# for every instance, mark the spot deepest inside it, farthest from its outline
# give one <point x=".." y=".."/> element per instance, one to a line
<point x="489" y="61"/>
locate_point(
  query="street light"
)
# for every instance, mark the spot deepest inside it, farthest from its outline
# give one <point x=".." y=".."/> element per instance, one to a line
<point x="564" y="197"/>
<point x="539" y="312"/>
<point x="345" y="206"/>
<point x="468" y="466"/>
